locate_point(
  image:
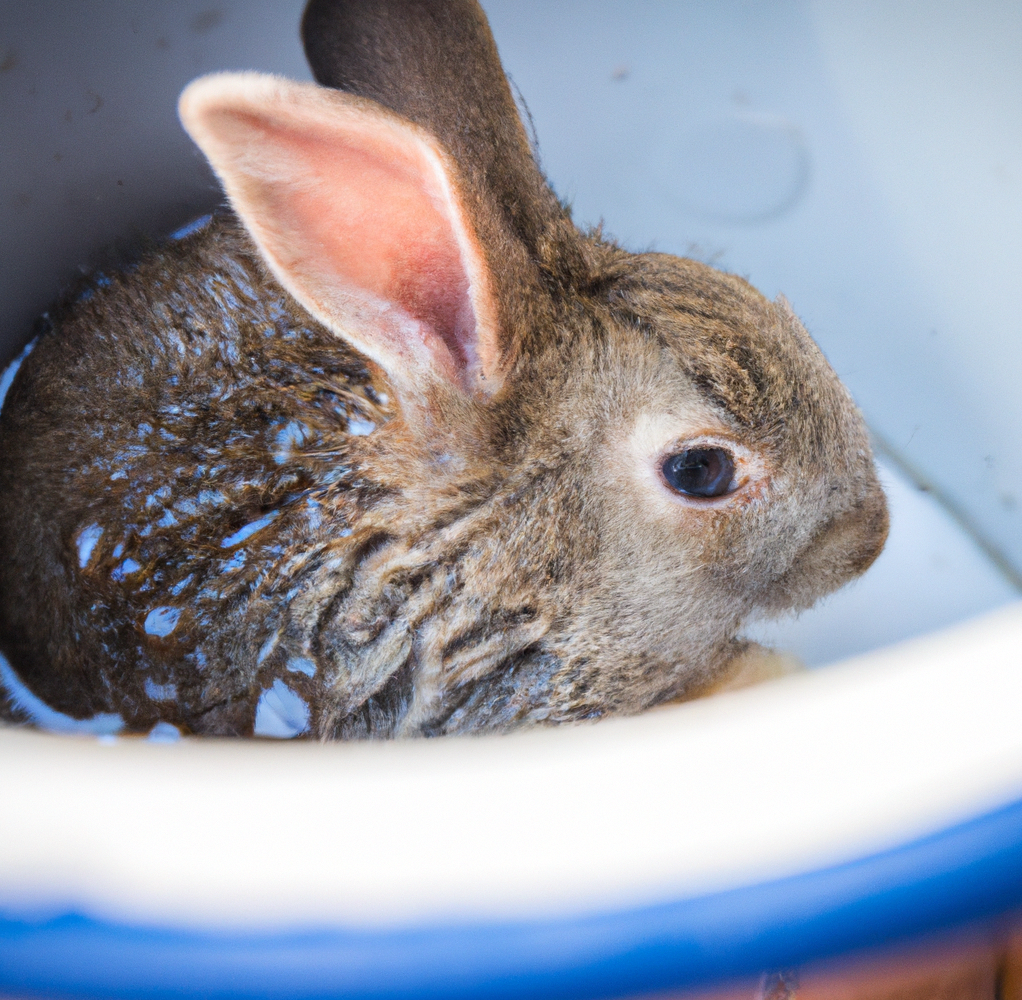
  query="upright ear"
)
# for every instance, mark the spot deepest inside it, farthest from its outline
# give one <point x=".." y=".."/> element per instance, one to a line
<point x="360" y="216"/>
<point x="435" y="63"/>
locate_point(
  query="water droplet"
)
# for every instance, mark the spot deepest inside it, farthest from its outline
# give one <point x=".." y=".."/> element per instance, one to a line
<point x="160" y="692"/>
<point x="248" y="530"/>
<point x="267" y="648"/>
<point x="213" y="498"/>
<point x="288" y="439"/>
<point x="126" y="568"/>
<point x="235" y="562"/>
<point x="162" y="621"/>
<point x="191" y="227"/>
<point x="359" y="428"/>
<point x="164" y="732"/>
<point x="12" y="369"/>
<point x="281" y="713"/>
<point x="87" y="540"/>
<point x="302" y="665"/>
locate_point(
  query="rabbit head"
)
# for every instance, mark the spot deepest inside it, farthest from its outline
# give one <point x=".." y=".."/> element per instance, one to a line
<point x="599" y="462"/>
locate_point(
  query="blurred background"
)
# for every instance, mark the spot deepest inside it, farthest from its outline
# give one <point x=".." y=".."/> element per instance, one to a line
<point x="863" y="158"/>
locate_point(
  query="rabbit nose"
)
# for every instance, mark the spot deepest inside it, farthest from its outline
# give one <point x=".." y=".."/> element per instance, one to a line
<point x="843" y="549"/>
<point x="858" y="538"/>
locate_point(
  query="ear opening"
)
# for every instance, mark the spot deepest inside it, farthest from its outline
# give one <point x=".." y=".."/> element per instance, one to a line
<point x="359" y="215"/>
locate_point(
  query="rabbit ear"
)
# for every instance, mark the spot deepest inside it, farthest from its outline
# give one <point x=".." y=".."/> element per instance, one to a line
<point x="359" y="215"/>
<point x="435" y="63"/>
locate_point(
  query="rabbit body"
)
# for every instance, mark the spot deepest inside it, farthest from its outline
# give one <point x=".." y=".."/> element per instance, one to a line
<point x="416" y="486"/>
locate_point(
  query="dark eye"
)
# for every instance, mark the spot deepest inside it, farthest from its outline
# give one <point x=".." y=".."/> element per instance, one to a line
<point x="700" y="472"/>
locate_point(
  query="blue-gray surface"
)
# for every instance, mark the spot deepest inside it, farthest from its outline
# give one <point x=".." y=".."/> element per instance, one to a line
<point x="865" y="159"/>
<point x="956" y="877"/>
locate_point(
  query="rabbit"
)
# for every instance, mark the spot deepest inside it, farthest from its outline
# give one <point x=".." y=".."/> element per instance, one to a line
<point x="389" y="447"/>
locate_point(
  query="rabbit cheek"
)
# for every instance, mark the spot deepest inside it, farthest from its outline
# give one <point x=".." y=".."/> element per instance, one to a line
<point x="685" y="569"/>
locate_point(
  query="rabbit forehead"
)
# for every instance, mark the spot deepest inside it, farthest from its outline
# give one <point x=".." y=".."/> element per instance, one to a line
<point x="651" y="431"/>
<point x="745" y="355"/>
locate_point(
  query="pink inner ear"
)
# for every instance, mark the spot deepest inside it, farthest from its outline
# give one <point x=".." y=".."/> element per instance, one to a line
<point x="386" y="234"/>
<point x="366" y="215"/>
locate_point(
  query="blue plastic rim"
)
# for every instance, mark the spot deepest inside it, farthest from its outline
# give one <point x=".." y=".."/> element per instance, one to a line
<point x="962" y="874"/>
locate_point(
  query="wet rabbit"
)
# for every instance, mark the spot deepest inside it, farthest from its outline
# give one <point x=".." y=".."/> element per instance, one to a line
<point x="395" y="449"/>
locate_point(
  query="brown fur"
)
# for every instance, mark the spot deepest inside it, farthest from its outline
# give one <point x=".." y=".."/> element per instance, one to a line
<point x="475" y="562"/>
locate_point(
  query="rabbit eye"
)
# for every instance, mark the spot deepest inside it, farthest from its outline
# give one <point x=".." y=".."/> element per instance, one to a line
<point x="700" y="472"/>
